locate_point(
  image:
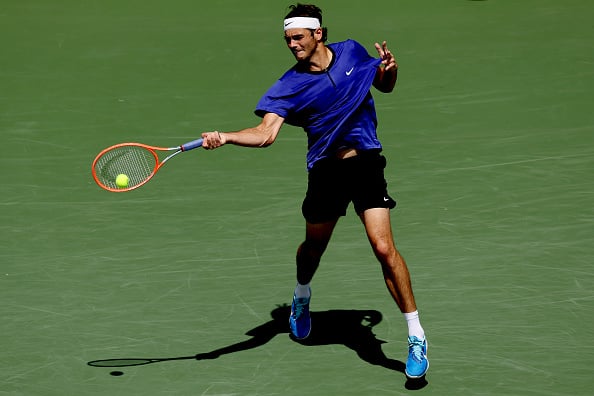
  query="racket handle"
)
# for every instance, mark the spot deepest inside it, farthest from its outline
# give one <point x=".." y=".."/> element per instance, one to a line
<point x="191" y="145"/>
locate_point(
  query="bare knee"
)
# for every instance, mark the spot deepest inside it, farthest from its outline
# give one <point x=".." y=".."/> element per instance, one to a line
<point x="386" y="252"/>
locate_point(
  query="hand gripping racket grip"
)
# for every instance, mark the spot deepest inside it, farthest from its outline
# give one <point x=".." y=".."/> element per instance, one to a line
<point x="191" y="145"/>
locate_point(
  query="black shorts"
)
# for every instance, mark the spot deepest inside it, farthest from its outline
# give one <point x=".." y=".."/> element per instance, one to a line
<point x="334" y="183"/>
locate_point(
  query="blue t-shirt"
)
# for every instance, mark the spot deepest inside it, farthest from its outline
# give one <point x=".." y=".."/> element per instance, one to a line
<point x="334" y="107"/>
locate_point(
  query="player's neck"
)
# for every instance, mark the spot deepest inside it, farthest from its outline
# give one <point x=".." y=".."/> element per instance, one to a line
<point x="320" y="59"/>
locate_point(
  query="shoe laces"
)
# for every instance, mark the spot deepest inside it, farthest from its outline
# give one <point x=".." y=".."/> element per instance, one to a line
<point x="415" y="347"/>
<point x="299" y="306"/>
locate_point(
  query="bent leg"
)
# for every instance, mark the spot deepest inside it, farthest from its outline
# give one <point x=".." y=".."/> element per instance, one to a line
<point x="310" y="251"/>
<point x="379" y="232"/>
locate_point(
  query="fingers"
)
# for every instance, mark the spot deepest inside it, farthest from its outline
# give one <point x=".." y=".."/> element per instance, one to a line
<point x="380" y="50"/>
<point x="387" y="54"/>
<point x="390" y="62"/>
<point x="388" y="59"/>
<point x="212" y="140"/>
<point x="383" y="51"/>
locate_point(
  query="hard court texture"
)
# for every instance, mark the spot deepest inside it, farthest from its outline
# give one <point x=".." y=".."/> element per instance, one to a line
<point x="490" y="145"/>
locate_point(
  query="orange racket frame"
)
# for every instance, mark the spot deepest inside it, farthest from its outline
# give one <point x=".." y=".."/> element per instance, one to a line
<point x="103" y="160"/>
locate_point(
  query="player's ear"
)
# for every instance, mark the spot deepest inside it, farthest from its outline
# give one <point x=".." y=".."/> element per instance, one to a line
<point x="318" y="33"/>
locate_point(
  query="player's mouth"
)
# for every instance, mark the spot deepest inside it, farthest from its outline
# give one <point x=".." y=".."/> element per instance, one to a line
<point x="298" y="53"/>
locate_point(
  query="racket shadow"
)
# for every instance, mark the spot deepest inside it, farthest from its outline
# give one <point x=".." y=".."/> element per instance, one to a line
<point x="351" y="328"/>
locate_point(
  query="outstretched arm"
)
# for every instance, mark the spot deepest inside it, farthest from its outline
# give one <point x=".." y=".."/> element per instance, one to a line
<point x="387" y="72"/>
<point x="262" y="135"/>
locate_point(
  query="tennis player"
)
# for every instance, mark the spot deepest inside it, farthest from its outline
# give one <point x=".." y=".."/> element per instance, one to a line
<point x="327" y="93"/>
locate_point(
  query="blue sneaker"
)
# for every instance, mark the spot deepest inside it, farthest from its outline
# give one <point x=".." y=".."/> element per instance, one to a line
<point x="417" y="363"/>
<point x="300" y="320"/>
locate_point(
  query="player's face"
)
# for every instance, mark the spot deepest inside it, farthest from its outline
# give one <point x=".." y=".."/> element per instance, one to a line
<point x="301" y="42"/>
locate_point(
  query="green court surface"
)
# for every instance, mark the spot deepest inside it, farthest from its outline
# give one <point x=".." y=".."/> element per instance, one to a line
<point x="490" y="143"/>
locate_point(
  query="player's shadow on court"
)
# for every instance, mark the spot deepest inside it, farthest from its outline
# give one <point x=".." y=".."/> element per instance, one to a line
<point x="351" y="328"/>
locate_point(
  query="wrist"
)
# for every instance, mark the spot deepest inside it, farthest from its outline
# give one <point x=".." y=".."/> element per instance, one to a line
<point x="222" y="137"/>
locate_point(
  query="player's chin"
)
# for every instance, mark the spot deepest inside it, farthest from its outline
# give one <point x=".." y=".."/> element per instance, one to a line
<point x="299" y="55"/>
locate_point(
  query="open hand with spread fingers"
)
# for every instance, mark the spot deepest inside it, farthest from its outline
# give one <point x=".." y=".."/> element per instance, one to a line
<point x="388" y="59"/>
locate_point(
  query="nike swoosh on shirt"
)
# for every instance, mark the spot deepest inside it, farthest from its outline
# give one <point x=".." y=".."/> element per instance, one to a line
<point x="349" y="72"/>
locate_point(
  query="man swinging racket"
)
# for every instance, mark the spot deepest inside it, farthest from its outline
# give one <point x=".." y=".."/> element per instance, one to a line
<point x="327" y="93"/>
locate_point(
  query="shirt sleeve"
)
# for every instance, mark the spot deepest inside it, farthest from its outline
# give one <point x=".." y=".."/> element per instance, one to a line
<point x="274" y="101"/>
<point x="359" y="52"/>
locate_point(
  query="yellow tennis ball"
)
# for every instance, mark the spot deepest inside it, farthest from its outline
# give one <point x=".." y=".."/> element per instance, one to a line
<point x="122" y="180"/>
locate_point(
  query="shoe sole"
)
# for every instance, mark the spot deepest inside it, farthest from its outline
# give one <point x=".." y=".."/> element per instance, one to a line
<point x="418" y="376"/>
<point x="295" y="336"/>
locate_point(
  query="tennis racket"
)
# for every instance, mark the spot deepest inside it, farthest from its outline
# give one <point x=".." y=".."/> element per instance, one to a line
<point x="139" y="162"/>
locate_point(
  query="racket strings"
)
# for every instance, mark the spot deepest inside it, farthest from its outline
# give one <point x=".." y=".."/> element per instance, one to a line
<point x="135" y="162"/>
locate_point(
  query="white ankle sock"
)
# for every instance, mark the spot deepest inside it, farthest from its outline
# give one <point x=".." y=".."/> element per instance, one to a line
<point x="302" y="291"/>
<point x="414" y="325"/>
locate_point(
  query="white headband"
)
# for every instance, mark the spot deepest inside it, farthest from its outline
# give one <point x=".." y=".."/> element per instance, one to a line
<point x="301" y="22"/>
